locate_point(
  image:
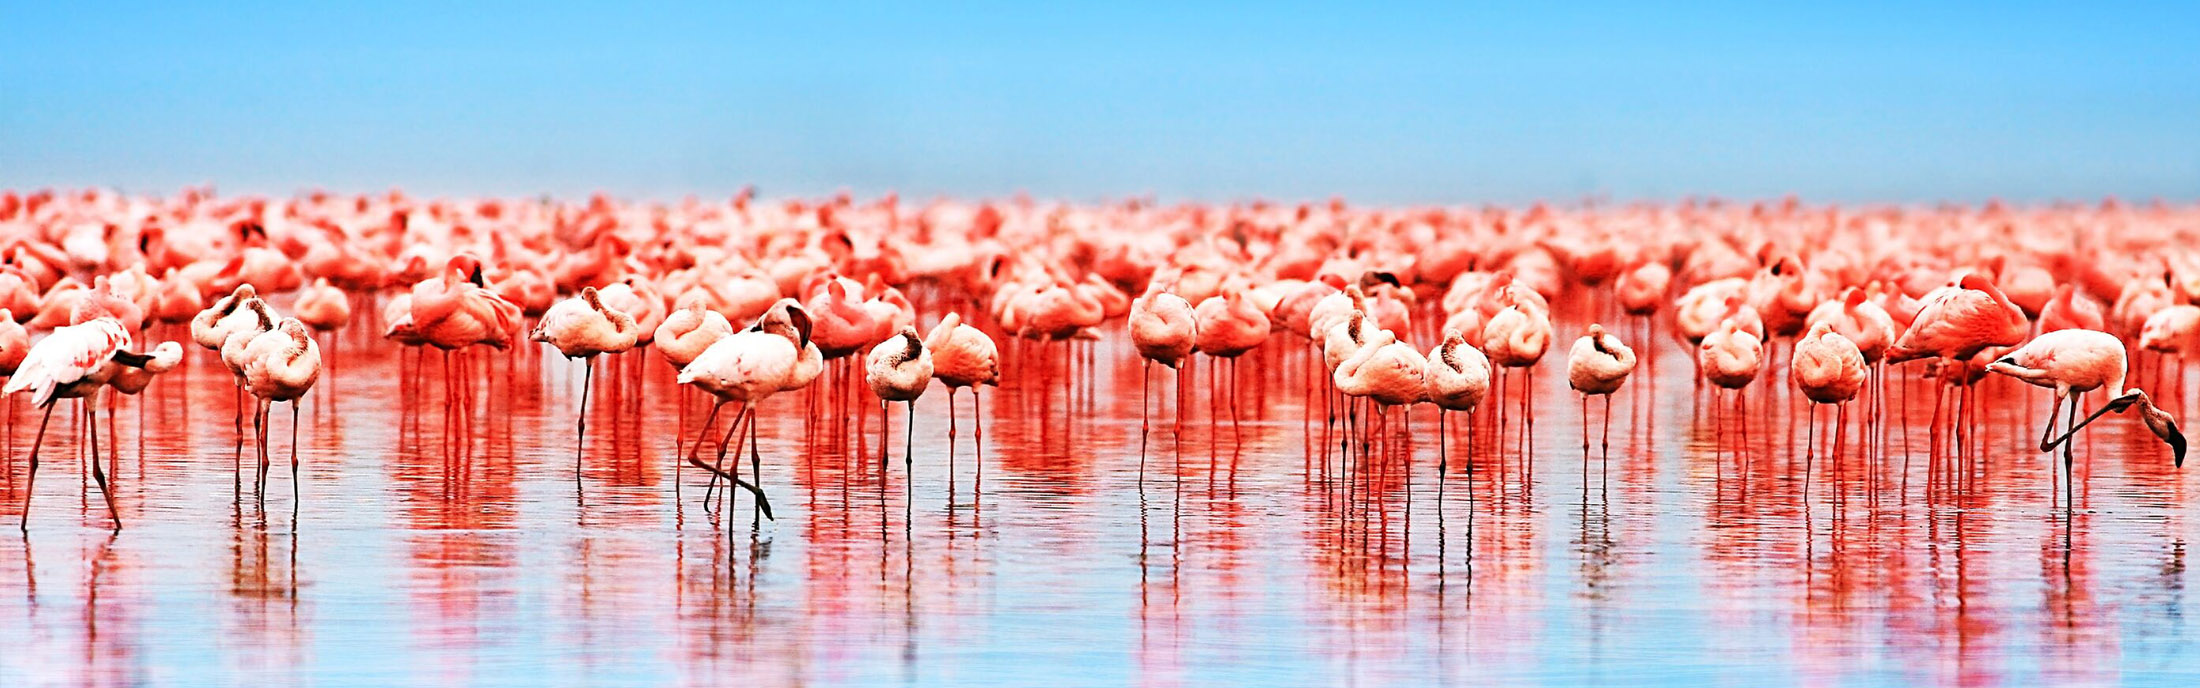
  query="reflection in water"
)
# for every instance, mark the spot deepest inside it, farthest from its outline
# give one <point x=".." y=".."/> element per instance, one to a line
<point x="441" y="539"/>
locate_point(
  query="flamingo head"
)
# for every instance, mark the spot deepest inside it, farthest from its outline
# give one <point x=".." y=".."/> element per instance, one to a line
<point x="1370" y="279"/>
<point x="467" y="267"/>
<point x="787" y="319"/>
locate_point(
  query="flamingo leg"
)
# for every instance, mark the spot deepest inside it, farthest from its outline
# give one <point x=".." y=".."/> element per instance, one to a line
<point x="717" y="470"/>
<point x="31" y="480"/>
<point x="294" y="489"/>
<point x="580" y="436"/>
<point x="91" y="418"/>
<point x="756" y="473"/>
<point x="908" y="447"/>
<point x="2070" y="477"/>
<point x="1145" y="384"/>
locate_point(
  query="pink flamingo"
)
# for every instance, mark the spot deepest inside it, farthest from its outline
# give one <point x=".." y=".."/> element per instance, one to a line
<point x="1596" y="366"/>
<point x="2074" y="362"/>
<point x="74" y="362"/>
<point x="584" y="328"/>
<point x="280" y="365"/>
<point x="1164" y="328"/>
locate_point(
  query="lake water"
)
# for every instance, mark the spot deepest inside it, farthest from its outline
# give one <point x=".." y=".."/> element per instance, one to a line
<point x="442" y="543"/>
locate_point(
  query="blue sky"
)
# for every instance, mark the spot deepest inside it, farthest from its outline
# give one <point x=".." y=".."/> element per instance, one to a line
<point x="1439" y="102"/>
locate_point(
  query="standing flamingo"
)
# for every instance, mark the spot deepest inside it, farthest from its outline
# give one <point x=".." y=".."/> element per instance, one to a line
<point x="748" y="367"/>
<point x="1164" y="328"/>
<point x="1955" y="323"/>
<point x="963" y="356"/>
<point x="1458" y="378"/>
<point x="74" y="362"/>
<point x="1829" y="369"/>
<point x="2074" y="362"/>
<point x="281" y="365"/>
<point x="1596" y="366"/>
<point x="899" y="369"/>
<point x="583" y="328"/>
<point x="1229" y="326"/>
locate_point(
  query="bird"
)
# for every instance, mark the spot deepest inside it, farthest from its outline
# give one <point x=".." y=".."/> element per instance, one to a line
<point x="241" y="310"/>
<point x="689" y="330"/>
<point x="1955" y="323"/>
<point x="1229" y="326"/>
<point x="1730" y="356"/>
<point x="281" y="365"/>
<point x="1164" y="328"/>
<point x="963" y="356"/>
<point x="1596" y="366"/>
<point x="74" y="362"/>
<point x="15" y="343"/>
<point x="1458" y="379"/>
<point x="2074" y="363"/>
<point x="583" y="327"/>
<point x="322" y="307"/>
<point x="2066" y="310"/>
<point x="899" y="369"/>
<point x="748" y="366"/>
<point x="1386" y="371"/>
<point x="1829" y="369"/>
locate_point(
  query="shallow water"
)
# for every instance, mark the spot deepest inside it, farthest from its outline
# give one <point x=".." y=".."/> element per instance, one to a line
<point x="1250" y="554"/>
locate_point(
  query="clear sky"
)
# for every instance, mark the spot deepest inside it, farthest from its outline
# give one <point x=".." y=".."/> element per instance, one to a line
<point x="1442" y="102"/>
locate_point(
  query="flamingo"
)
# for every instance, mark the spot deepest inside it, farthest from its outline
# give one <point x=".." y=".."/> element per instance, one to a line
<point x="1955" y="323"/>
<point x="1596" y="366"/>
<point x="280" y="365"/>
<point x="2073" y="363"/>
<point x="1164" y="329"/>
<point x="1730" y="356"/>
<point x="963" y="356"/>
<point x="1458" y="379"/>
<point x="1829" y="369"/>
<point x="1386" y="371"/>
<point x="899" y="369"/>
<point x="323" y="307"/>
<point x="748" y="367"/>
<point x="583" y="328"/>
<point x="74" y="362"/>
<point x="1229" y="326"/>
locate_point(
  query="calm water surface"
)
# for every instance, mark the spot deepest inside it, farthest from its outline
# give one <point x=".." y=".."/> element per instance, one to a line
<point x="421" y="554"/>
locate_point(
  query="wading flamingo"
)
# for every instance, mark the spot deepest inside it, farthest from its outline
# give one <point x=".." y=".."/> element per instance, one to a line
<point x="899" y="369"/>
<point x="2074" y="362"/>
<point x="1596" y="367"/>
<point x="583" y="328"/>
<point x="1164" y="328"/>
<point x="963" y="356"/>
<point x="748" y="366"/>
<point x="281" y="365"/>
<point x="74" y="362"/>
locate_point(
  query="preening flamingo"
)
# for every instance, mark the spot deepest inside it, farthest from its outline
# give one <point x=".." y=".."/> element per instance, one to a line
<point x="280" y="365"/>
<point x="899" y="369"/>
<point x="74" y="362"/>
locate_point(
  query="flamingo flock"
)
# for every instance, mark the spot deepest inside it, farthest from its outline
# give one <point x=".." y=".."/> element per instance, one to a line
<point x="1396" y="308"/>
